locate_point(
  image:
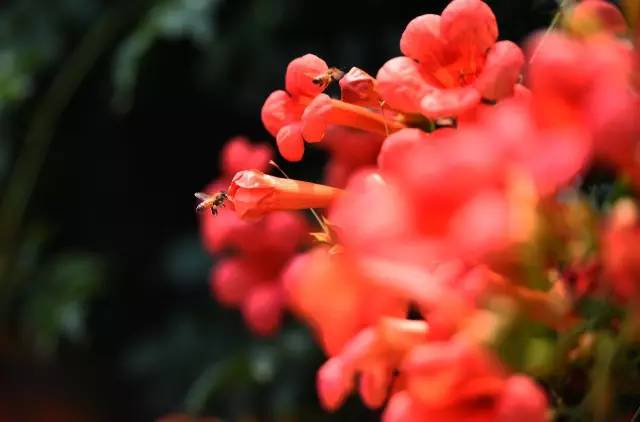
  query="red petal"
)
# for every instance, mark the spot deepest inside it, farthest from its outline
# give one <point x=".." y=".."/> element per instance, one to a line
<point x="300" y="74"/>
<point x="279" y="110"/>
<point x="369" y="226"/>
<point x="421" y="41"/>
<point x="284" y="232"/>
<point x="352" y="146"/>
<point x="396" y="147"/>
<point x="315" y="118"/>
<point x="401" y="85"/>
<point x="595" y="16"/>
<point x="449" y="102"/>
<point x="290" y="142"/>
<point x="401" y="409"/>
<point x="522" y="400"/>
<point x="374" y="384"/>
<point x="263" y="308"/>
<point x="470" y="27"/>
<point x="337" y="172"/>
<point x="334" y="382"/>
<point x="239" y="154"/>
<point x="521" y="93"/>
<point x="480" y="226"/>
<point x="230" y="280"/>
<point x="501" y="71"/>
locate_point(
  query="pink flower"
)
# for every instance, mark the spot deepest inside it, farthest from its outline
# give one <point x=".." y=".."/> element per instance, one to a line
<point x="282" y="111"/>
<point x="450" y="197"/>
<point x="522" y="400"/>
<point x="302" y="113"/>
<point x="231" y="280"/>
<point x="263" y="308"/>
<point x="451" y="62"/>
<point x="248" y="277"/>
<point x="239" y="153"/>
<point x="585" y="85"/>
<point x="227" y="229"/>
<point x="445" y="241"/>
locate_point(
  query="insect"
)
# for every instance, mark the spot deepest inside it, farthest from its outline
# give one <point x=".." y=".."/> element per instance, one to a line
<point x="211" y="202"/>
<point x="324" y="79"/>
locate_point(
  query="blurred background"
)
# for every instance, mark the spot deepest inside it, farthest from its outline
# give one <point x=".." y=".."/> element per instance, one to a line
<point x="112" y="113"/>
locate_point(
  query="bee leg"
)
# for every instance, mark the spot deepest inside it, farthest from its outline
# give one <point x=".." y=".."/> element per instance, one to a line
<point x="213" y="211"/>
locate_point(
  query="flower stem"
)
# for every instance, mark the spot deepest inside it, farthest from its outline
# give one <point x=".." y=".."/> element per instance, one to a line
<point x="358" y="117"/>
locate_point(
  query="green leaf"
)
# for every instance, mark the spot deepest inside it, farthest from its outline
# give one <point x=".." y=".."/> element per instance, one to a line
<point x="56" y="303"/>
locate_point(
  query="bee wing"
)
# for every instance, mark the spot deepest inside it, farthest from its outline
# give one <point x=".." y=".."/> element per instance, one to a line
<point x="201" y="207"/>
<point x="201" y="196"/>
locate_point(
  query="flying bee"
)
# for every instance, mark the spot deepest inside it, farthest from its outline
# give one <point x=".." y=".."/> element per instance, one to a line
<point x="211" y="202"/>
<point x="324" y="79"/>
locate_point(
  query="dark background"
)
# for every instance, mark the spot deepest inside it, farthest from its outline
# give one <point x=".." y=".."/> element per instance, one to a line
<point x="108" y="315"/>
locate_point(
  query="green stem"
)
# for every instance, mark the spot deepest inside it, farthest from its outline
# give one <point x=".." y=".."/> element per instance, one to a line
<point x="600" y="396"/>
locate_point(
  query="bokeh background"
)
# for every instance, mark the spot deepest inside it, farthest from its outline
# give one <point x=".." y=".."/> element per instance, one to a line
<point x="112" y="113"/>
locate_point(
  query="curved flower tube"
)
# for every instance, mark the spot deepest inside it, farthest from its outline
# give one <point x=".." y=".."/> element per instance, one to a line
<point x="253" y="193"/>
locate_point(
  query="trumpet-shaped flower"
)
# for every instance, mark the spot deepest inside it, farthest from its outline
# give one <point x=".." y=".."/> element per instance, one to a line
<point x="302" y="113"/>
<point x="228" y="230"/>
<point x="253" y="194"/>
<point x="450" y="63"/>
<point x="353" y="305"/>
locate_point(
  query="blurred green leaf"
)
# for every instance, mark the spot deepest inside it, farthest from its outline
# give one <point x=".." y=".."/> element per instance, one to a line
<point x="601" y="393"/>
<point x="184" y="261"/>
<point x="520" y="343"/>
<point x="539" y="357"/>
<point x="170" y="19"/>
<point x="57" y="304"/>
<point x="32" y="37"/>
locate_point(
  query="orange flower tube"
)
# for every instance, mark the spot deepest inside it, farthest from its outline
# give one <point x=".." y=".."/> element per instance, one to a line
<point x="253" y="194"/>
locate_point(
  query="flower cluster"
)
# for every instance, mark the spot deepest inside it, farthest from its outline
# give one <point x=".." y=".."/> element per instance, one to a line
<point x="465" y="267"/>
<point x="256" y="252"/>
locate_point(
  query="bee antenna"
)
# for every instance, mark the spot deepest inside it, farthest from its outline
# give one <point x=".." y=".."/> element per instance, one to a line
<point x="277" y="167"/>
